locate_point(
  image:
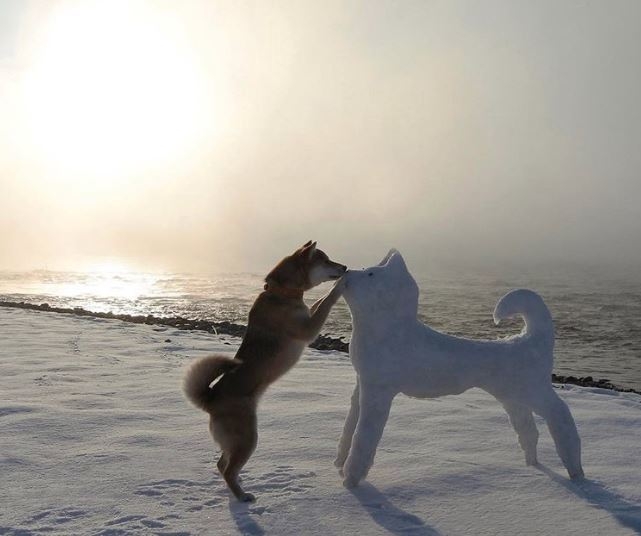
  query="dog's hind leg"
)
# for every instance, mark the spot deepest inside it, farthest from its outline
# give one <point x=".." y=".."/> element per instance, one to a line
<point x="237" y="459"/>
<point x="375" y="403"/>
<point x="563" y="430"/>
<point x="237" y="456"/>
<point x="222" y="463"/>
<point x="523" y="423"/>
<point x="348" y="431"/>
<point x="237" y="435"/>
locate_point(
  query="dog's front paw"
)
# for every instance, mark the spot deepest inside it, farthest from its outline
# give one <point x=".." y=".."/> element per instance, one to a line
<point x="339" y="286"/>
<point x="247" y="497"/>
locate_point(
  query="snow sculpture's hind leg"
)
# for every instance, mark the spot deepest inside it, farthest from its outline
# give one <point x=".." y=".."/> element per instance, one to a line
<point x="348" y="431"/>
<point x="563" y="430"/>
<point x="523" y="423"/>
<point x="375" y="403"/>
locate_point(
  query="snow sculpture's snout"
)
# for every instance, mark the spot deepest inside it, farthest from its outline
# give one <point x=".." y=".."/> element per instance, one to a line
<point x="381" y="288"/>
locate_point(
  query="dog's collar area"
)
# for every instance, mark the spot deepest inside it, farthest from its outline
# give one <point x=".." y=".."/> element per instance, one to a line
<point x="284" y="291"/>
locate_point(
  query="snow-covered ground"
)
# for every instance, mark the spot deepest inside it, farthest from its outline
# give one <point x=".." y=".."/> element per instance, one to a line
<point x="96" y="438"/>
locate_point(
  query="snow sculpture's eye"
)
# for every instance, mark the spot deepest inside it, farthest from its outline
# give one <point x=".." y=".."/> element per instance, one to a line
<point x="370" y="274"/>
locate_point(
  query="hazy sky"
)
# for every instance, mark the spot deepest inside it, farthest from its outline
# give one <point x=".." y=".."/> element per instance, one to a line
<point x="220" y="135"/>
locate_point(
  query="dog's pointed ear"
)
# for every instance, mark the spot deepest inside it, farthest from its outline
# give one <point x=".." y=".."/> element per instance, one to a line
<point x="387" y="257"/>
<point x="300" y="250"/>
<point x="308" y="250"/>
<point x="397" y="262"/>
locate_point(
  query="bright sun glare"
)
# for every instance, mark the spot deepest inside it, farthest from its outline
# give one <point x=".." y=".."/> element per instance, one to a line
<point x="108" y="267"/>
<point x="107" y="278"/>
<point x="114" y="90"/>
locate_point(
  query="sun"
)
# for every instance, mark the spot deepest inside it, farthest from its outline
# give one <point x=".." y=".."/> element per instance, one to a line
<point x="114" y="90"/>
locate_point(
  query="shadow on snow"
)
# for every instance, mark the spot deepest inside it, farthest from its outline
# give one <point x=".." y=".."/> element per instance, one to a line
<point x="389" y="516"/>
<point x="626" y="512"/>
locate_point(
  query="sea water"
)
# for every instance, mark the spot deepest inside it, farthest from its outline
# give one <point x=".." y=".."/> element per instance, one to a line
<point x="597" y="314"/>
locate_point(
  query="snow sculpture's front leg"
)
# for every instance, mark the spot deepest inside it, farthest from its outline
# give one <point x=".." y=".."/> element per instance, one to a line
<point x="348" y="430"/>
<point x="375" y="404"/>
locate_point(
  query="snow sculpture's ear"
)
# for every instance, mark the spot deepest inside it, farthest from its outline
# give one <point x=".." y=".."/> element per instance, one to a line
<point x="387" y="257"/>
<point x="396" y="262"/>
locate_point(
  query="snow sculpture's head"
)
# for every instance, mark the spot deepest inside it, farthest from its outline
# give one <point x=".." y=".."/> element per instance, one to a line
<point x="386" y="290"/>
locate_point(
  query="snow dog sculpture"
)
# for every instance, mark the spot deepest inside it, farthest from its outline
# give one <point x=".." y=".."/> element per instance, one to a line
<point x="393" y="352"/>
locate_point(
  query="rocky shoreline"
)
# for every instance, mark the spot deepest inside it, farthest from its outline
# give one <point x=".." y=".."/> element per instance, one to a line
<point x="323" y="342"/>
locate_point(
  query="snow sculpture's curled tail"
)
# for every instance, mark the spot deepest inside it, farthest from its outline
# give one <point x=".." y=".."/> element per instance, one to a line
<point x="201" y="373"/>
<point x="529" y="305"/>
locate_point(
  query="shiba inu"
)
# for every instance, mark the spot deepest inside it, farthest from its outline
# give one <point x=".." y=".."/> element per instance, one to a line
<point x="393" y="352"/>
<point x="279" y="328"/>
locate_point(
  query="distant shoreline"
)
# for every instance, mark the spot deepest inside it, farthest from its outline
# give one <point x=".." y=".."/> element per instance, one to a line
<point x="323" y="342"/>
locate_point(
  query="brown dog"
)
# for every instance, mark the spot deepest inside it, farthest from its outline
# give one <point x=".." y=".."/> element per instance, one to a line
<point x="279" y="328"/>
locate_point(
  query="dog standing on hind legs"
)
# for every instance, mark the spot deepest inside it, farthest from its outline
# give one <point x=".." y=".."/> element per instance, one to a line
<point x="279" y="328"/>
<point x="393" y="352"/>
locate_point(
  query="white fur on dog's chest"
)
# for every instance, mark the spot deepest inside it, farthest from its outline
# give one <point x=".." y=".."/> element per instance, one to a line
<point x="289" y="355"/>
<point x="293" y="350"/>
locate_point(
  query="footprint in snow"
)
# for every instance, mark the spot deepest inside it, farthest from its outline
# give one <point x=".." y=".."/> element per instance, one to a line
<point x="189" y="495"/>
<point x="194" y="496"/>
<point x="50" y="520"/>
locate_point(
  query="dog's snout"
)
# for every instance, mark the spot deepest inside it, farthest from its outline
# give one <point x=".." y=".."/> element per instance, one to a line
<point x="343" y="267"/>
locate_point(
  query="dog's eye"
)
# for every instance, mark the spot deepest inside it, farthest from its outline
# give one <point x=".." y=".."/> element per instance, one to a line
<point x="370" y="274"/>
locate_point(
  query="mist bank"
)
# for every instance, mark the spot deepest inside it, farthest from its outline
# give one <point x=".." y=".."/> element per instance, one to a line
<point x="503" y="132"/>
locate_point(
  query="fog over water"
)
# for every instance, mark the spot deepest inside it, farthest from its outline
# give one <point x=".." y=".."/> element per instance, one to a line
<point x="460" y="132"/>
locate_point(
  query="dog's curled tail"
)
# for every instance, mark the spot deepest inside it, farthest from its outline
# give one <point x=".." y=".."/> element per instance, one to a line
<point x="201" y="373"/>
<point x="529" y="305"/>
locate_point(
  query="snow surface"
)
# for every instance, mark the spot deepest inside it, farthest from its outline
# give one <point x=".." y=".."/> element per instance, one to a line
<point x="96" y="438"/>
